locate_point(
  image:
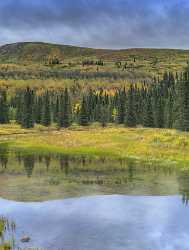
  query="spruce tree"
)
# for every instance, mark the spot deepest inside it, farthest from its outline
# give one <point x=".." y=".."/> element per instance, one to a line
<point x="83" y="115"/>
<point x="92" y="101"/>
<point x="130" y="120"/>
<point x="46" y="112"/>
<point x="65" y="110"/>
<point x="56" y="109"/>
<point x="158" y="106"/>
<point x="121" y="109"/>
<point x="38" y="109"/>
<point x="19" y="104"/>
<point x="27" y="120"/>
<point x="169" y="109"/>
<point x="182" y="103"/>
<point x="148" y="118"/>
<point x="104" y="115"/>
<point x="4" y="108"/>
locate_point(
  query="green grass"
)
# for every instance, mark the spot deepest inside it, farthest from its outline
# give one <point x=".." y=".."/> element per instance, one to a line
<point x="162" y="145"/>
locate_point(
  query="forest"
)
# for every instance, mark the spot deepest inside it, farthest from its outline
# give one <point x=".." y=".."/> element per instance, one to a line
<point x="164" y="103"/>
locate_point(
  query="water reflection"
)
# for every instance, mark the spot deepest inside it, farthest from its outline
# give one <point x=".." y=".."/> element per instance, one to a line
<point x="4" y="154"/>
<point x="102" y="222"/>
<point x="28" y="177"/>
<point x="64" y="163"/>
<point x="29" y="164"/>
<point x="183" y="180"/>
<point x="99" y="222"/>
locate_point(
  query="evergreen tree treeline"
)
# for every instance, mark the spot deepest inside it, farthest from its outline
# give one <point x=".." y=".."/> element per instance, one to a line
<point x="161" y="104"/>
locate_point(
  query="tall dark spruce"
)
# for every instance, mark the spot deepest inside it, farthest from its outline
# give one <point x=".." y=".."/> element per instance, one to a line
<point x="121" y="106"/>
<point x="130" y="120"/>
<point x="65" y="110"/>
<point x="27" y="119"/>
<point x="83" y="115"/>
<point x="4" y="108"/>
<point x="46" y="111"/>
<point x="182" y="103"/>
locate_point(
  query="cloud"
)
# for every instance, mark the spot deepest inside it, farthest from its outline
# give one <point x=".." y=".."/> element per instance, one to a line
<point x="96" y="23"/>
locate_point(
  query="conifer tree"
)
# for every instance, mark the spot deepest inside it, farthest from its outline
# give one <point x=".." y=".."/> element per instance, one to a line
<point x="130" y="120"/>
<point x="104" y="115"/>
<point x="56" y="109"/>
<point x="19" y="106"/>
<point x="27" y="120"/>
<point x="46" y="113"/>
<point x="65" y="110"/>
<point x="4" y="109"/>
<point x="182" y="103"/>
<point x="169" y="109"/>
<point x="158" y="106"/>
<point x="148" y="118"/>
<point x="92" y="101"/>
<point x="83" y="115"/>
<point x="121" y="109"/>
<point x="38" y="109"/>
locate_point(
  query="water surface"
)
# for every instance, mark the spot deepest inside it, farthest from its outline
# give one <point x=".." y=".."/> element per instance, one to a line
<point x="102" y="222"/>
<point x="80" y="203"/>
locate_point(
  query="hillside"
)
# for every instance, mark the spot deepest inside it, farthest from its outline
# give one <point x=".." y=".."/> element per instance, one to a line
<point x="42" y="61"/>
<point x="36" y="52"/>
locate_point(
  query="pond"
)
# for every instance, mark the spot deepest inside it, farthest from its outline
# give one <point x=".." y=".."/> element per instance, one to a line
<point x="65" y="203"/>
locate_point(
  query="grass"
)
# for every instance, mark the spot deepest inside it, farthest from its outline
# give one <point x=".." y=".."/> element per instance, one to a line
<point x="2" y="226"/>
<point x="4" y="246"/>
<point x="162" y="145"/>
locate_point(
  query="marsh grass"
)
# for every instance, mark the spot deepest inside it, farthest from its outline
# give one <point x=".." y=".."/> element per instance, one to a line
<point x="6" y="226"/>
<point x="113" y="142"/>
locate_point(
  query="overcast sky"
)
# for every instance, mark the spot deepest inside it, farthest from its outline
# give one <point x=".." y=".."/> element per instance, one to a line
<point x="97" y="23"/>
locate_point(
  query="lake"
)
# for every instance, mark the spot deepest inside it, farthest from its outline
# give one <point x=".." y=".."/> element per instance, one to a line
<point x="78" y="203"/>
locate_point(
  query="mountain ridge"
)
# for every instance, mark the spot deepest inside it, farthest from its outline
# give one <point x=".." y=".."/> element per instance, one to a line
<point x="38" y="51"/>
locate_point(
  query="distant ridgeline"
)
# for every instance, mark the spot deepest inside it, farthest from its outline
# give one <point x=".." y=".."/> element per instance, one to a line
<point x="162" y="104"/>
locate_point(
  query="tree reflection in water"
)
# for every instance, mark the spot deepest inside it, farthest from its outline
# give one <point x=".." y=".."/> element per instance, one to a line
<point x="120" y="176"/>
<point x="183" y="180"/>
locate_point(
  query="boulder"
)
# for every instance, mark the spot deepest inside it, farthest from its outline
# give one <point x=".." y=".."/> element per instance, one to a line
<point x="25" y="239"/>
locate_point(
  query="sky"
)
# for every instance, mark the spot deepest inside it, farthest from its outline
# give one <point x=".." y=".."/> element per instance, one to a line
<point x="112" y="24"/>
